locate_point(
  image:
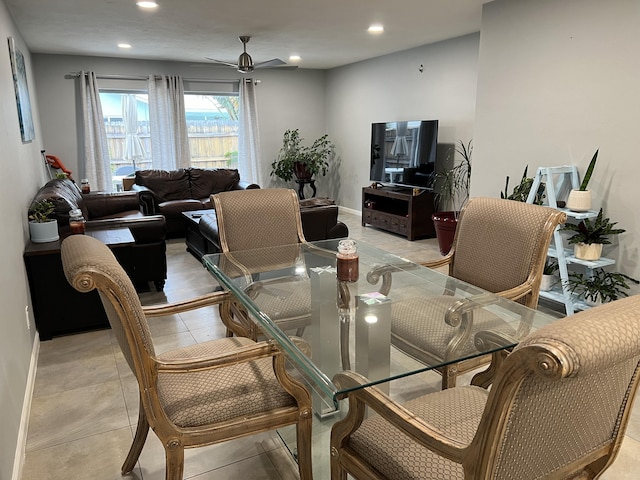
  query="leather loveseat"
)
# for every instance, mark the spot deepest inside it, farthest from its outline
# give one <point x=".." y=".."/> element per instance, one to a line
<point x="171" y="192"/>
<point x="319" y="222"/>
<point x="147" y="259"/>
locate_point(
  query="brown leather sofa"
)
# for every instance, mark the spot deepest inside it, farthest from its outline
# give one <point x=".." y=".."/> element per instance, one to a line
<point x="171" y="192"/>
<point x="146" y="261"/>
<point x="319" y="222"/>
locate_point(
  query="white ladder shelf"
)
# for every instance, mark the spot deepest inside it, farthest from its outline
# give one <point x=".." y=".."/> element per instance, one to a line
<point x="559" y="179"/>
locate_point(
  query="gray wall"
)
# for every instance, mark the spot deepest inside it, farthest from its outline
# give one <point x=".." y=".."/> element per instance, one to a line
<point x="23" y="174"/>
<point x="558" y="80"/>
<point x="391" y="88"/>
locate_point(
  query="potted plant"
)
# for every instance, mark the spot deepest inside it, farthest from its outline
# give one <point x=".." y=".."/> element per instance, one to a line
<point x="590" y="236"/>
<point x="580" y="200"/>
<point x="42" y="228"/>
<point x="451" y="189"/>
<point x="521" y="191"/>
<point x="602" y="287"/>
<point x="548" y="274"/>
<point x="303" y="162"/>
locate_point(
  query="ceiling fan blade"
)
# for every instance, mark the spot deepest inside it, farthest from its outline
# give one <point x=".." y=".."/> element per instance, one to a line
<point x="234" y="65"/>
<point x="274" y="62"/>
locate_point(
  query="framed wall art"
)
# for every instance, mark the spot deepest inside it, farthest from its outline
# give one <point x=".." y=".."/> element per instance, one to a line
<point x="23" y="101"/>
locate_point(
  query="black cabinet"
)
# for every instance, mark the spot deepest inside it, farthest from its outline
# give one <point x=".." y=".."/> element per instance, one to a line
<point x="58" y="308"/>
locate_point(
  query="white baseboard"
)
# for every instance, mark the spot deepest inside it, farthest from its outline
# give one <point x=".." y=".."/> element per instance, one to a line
<point x="349" y="210"/>
<point x="21" y="446"/>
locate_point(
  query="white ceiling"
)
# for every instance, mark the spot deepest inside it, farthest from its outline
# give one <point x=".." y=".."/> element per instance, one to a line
<point x="325" y="33"/>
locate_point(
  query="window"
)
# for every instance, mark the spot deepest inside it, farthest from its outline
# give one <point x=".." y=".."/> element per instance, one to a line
<point x="212" y="125"/>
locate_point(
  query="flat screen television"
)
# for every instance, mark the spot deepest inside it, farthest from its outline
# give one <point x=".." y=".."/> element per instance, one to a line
<point x="404" y="153"/>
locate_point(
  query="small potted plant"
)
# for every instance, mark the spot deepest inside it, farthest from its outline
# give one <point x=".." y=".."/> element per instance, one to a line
<point x="602" y="287"/>
<point x="590" y="236"/>
<point x="42" y="227"/>
<point x="580" y="200"/>
<point x="548" y="274"/>
<point x="521" y="191"/>
<point x="451" y="189"/>
<point x="303" y="162"/>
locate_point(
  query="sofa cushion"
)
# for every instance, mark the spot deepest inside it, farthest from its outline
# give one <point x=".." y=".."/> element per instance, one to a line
<point x="65" y="196"/>
<point x="166" y="185"/>
<point x="207" y="182"/>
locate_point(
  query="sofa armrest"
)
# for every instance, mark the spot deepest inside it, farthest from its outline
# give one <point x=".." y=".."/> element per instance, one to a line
<point x="339" y="230"/>
<point x="148" y="200"/>
<point x="101" y="204"/>
<point x="246" y="186"/>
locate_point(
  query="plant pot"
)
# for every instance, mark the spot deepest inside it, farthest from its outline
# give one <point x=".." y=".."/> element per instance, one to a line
<point x="301" y="172"/>
<point x="579" y="200"/>
<point x="547" y="282"/>
<point x="587" y="251"/>
<point x="593" y="303"/>
<point x="43" y="232"/>
<point x="445" y="224"/>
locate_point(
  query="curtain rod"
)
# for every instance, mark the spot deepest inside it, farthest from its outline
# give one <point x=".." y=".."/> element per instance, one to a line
<point x="141" y="77"/>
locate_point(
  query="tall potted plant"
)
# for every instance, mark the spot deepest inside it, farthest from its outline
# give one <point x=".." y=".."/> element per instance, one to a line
<point x="451" y="188"/>
<point x="42" y="228"/>
<point x="303" y="162"/>
<point x="589" y="237"/>
<point x="580" y="200"/>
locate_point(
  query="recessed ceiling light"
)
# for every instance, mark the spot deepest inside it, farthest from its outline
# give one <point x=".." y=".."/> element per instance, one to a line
<point x="124" y="45"/>
<point x="294" y="58"/>
<point x="375" y="28"/>
<point x="147" y="4"/>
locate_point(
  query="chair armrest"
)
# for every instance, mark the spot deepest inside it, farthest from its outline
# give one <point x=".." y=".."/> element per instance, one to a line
<point x="406" y="421"/>
<point x="441" y="262"/>
<point x="516" y="293"/>
<point x="215" y="298"/>
<point x="238" y="355"/>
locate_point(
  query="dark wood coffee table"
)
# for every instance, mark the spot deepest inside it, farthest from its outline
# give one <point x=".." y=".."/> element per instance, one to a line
<point x="197" y="245"/>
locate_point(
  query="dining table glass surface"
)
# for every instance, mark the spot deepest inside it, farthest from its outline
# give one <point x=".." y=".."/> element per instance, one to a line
<point x="325" y="326"/>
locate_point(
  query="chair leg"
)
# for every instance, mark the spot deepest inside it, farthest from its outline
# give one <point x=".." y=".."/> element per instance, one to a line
<point x="174" y="454"/>
<point x="449" y="376"/>
<point x="303" y="441"/>
<point x="142" y="430"/>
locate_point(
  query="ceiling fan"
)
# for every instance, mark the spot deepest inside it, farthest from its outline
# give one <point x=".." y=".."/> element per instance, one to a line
<point x="245" y="62"/>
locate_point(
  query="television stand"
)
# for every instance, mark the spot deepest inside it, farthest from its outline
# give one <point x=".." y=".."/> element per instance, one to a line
<point x="402" y="210"/>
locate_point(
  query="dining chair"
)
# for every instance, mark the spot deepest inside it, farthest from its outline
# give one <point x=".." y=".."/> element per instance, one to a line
<point x="558" y="409"/>
<point x="197" y="395"/>
<point x="500" y="246"/>
<point x="259" y="218"/>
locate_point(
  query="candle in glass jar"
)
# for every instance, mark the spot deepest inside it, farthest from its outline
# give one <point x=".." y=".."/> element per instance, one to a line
<point x="347" y="261"/>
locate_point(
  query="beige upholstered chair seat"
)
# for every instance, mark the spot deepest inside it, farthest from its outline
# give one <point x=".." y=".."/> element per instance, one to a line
<point x="413" y="326"/>
<point x="271" y="298"/>
<point x="399" y="457"/>
<point x="216" y="396"/>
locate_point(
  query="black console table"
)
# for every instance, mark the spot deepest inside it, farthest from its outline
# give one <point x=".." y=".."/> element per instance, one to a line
<point x="58" y="308"/>
<point x="403" y="210"/>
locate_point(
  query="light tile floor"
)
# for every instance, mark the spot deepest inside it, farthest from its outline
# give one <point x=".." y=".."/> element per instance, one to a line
<point x="85" y="399"/>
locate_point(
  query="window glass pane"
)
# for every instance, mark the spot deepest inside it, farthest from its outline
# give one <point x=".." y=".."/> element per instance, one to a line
<point x="126" y="118"/>
<point x="212" y="125"/>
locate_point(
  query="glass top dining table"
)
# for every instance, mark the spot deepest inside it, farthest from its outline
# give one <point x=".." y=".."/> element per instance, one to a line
<point x="325" y="326"/>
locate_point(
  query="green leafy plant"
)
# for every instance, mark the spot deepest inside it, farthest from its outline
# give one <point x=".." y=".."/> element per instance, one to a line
<point x="608" y="286"/>
<point x="590" y="232"/>
<point x="550" y="266"/>
<point x="61" y="175"/>
<point x="451" y="187"/>
<point x="589" y="172"/>
<point x="40" y="211"/>
<point x="521" y="191"/>
<point x="314" y="158"/>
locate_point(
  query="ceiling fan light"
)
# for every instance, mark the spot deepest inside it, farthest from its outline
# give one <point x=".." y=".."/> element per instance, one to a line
<point x="245" y="63"/>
